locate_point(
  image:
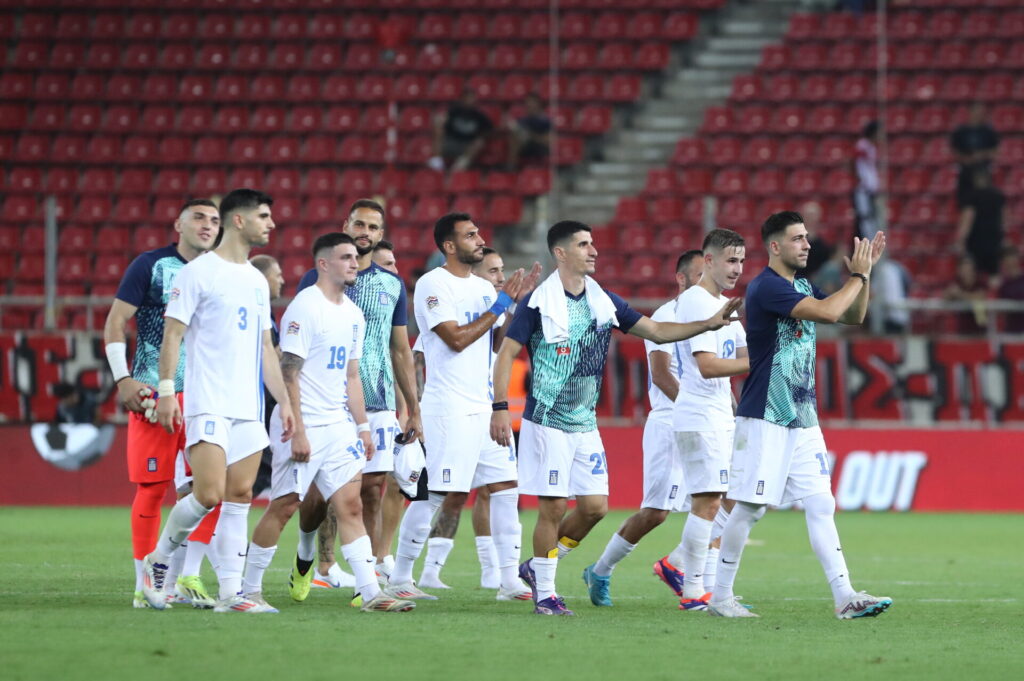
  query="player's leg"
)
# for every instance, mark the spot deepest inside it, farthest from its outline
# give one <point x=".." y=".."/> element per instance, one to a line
<point x="711" y="564"/>
<point x="313" y="513"/>
<point x="190" y="588"/>
<point x="264" y="540"/>
<point x="412" y="535"/>
<point x="327" y="535"/>
<point x="383" y="428"/>
<point x="442" y="539"/>
<point x="391" y="514"/>
<point x="490" y="578"/>
<point x="497" y="476"/>
<point x="372" y="492"/>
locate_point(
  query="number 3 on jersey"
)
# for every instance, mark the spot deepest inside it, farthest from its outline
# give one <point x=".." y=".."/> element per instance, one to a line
<point x="243" y="318"/>
<point x="337" y="357"/>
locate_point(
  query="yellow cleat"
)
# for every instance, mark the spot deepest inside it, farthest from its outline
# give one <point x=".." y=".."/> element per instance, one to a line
<point x="299" y="584"/>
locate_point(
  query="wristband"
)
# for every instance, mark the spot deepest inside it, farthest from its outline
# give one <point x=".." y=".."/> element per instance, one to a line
<point x="363" y="428"/>
<point x="116" y="360"/>
<point x="860" y="276"/>
<point x="165" y="388"/>
<point x="502" y="304"/>
<point x="499" y="406"/>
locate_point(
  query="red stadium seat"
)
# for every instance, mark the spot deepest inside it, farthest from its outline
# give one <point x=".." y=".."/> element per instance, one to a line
<point x="630" y="209"/>
<point x="69" y="149"/>
<point x="251" y="57"/>
<point x="133" y="210"/>
<point x="172" y="182"/>
<point x="725" y="150"/>
<point x="99" y="181"/>
<point x="660" y="181"/>
<point x="112" y="239"/>
<point x="209" y="181"/>
<point x="689" y="151"/>
<point x="110" y="267"/>
<point x="60" y="181"/>
<point x="148" y="238"/>
<point x="199" y="119"/>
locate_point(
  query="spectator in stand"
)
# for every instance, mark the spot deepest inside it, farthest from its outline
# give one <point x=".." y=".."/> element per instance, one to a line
<point x="76" y="404"/>
<point x="821" y="250"/>
<point x="460" y="134"/>
<point x="865" y="194"/>
<point x="980" y="232"/>
<point x="974" y="146"/>
<point x="530" y="134"/>
<point x="1009" y="285"/>
<point x="968" y="287"/>
<point x="890" y="286"/>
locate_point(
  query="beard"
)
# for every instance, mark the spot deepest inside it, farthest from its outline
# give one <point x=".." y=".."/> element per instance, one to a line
<point x="469" y="257"/>
<point x="361" y="250"/>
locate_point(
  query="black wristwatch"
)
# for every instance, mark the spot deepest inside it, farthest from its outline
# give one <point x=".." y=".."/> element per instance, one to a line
<point x="862" y="277"/>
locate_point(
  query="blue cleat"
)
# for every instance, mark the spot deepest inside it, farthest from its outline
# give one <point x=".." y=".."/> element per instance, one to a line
<point x="527" y="575"/>
<point x="552" y="605"/>
<point x="672" y="577"/>
<point x="598" y="587"/>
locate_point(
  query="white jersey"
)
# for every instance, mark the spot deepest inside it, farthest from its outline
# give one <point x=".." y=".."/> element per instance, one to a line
<point x="327" y="336"/>
<point x="661" y="405"/>
<point x="704" y="404"/>
<point x="226" y="307"/>
<point x="457" y="382"/>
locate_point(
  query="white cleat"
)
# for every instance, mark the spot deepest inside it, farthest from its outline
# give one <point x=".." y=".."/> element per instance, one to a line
<point x="408" y="591"/>
<point x="862" y="604"/>
<point x="384" y="603"/>
<point x="153" y="575"/>
<point x="336" y="578"/>
<point x="519" y="593"/>
<point x="139" y="601"/>
<point x="253" y="603"/>
<point x="432" y="582"/>
<point x="729" y="608"/>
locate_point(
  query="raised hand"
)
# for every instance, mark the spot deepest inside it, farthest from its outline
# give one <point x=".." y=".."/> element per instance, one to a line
<point x="725" y="315"/>
<point x="529" y="281"/>
<point x="860" y="262"/>
<point x="514" y="284"/>
<point x="877" y="247"/>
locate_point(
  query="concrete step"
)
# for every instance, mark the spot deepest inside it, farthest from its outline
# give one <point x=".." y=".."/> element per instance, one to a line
<point x="753" y="27"/>
<point x="590" y="202"/>
<point x="648" y="138"/>
<point x="615" y="169"/>
<point x="654" y="121"/>
<point x="611" y="185"/>
<point x="696" y="96"/>
<point x="632" y="154"/>
<point x="738" y="60"/>
<point x="707" y="75"/>
<point x="740" y="43"/>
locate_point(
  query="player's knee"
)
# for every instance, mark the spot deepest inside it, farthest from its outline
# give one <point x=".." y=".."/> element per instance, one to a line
<point x="455" y="501"/>
<point x="652" y="517"/>
<point x="208" y="497"/>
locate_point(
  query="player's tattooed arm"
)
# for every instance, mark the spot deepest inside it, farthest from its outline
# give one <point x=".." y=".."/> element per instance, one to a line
<point x="290" y="368"/>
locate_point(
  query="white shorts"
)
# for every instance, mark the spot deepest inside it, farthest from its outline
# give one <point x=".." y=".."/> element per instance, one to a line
<point x="182" y="480"/>
<point x="336" y="457"/>
<point x="706" y="455"/>
<point x="239" y="439"/>
<point x="664" y="479"/>
<point x="554" y="463"/>
<point x="383" y="429"/>
<point x="461" y="454"/>
<point x="772" y="464"/>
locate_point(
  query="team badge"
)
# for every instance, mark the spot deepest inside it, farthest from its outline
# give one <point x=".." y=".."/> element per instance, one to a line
<point x="674" y="493"/>
<point x="384" y="298"/>
<point x="414" y="476"/>
<point x="432" y="302"/>
<point x="175" y="293"/>
<point x="151" y="464"/>
<point x="446" y="475"/>
<point x="760" y="488"/>
<point x="723" y="476"/>
<point x="563" y="350"/>
<point x="210" y="426"/>
<point x="552" y="477"/>
<point x="293" y="329"/>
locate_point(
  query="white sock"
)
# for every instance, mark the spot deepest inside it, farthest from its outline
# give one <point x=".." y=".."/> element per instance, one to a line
<point x="138" y="574"/>
<point x="359" y="555"/>
<point x="696" y="537"/>
<point x="819" y="511"/>
<point x="565" y="545"/>
<point x="183" y="518"/>
<point x="617" y="549"/>
<point x="231" y="544"/>
<point x="507" y="535"/>
<point x="678" y="554"/>
<point x="710" y="570"/>
<point x="720" y="519"/>
<point x="256" y="563"/>
<point x="544" y="569"/>
<point x="412" y="535"/>
<point x="734" y="538"/>
<point x="306" y="549"/>
<point x="385" y="565"/>
<point x="194" y="555"/>
<point x="438" y="549"/>
<point x="174" y="565"/>
<point x="488" y="555"/>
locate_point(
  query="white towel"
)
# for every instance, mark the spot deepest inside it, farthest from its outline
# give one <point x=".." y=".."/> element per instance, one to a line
<point x="549" y="299"/>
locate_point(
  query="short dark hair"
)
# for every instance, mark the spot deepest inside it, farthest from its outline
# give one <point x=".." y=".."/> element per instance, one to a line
<point x="686" y="258"/>
<point x="488" y="251"/>
<point x="870" y="129"/>
<point x="560" y="231"/>
<point x="367" y="203"/>
<point x="263" y="262"/>
<point x="444" y="228"/>
<point x="778" y="222"/>
<point x="330" y="240"/>
<point x="197" y="202"/>
<point x="384" y="245"/>
<point x="239" y="199"/>
<point x="720" y="239"/>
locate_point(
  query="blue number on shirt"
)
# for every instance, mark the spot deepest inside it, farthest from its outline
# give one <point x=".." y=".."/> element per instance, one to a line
<point x="380" y="439"/>
<point x="823" y="462"/>
<point x="600" y="464"/>
<point x="243" y="322"/>
<point x="356" y="450"/>
<point x="472" y="317"/>
<point x="337" y="357"/>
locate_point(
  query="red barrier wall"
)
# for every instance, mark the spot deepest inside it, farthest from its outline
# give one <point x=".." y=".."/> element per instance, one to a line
<point x="921" y="470"/>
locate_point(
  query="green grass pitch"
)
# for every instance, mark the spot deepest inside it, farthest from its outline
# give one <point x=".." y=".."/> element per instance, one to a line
<point x="66" y="585"/>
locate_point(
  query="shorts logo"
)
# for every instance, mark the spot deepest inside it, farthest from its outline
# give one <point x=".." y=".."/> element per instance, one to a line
<point x="723" y="476"/>
<point x="446" y="475"/>
<point x="175" y="294"/>
<point x="384" y="298"/>
<point x="210" y="426"/>
<point x="552" y="477"/>
<point x="293" y="329"/>
<point x="295" y="474"/>
<point x="760" y="488"/>
<point x="674" y="492"/>
<point x="151" y="464"/>
<point x="432" y="302"/>
<point x="564" y="350"/>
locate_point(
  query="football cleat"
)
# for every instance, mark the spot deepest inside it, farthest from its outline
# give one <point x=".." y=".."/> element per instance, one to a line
<point x="190" y="590"/>
<point x="527" y="575"/>
<point x="384" y="603"/>
<point x="598" y="587"/>
<point x="336" y="578"/>
<point x="139" y="601"/>
<point x="519" y="593"/>
<point x="253" y="603"/>
<point x="728" y="608"/>
<point x="862" y="604"/>
<point x="408" y="591"/>
<point x="672" y="577"/>
<point x="298" y="584"/>
<point x="695" y="603"/>
<point x="552" y="605"/>
<point x="153" y="574"/>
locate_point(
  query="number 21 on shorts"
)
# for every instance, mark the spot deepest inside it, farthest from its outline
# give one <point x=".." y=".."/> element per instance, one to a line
<point x="600" y="463"/>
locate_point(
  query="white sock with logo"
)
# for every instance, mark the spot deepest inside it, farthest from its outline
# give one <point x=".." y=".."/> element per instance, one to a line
<point x="183" y="518"/>
<point x="507" y="534"/>
<point x="819" y="511"/>
<point x="256" y="563"/>
<point x="412" y="535"/>
<point x="617" y="549"/>
<point x="741" y="521"/>
<point x="490" y="577"/>
<point x="194" y="555"/>
<point x="438" y="549"/>
<point x="359" y="555"/>
<point x="545" y="569"/>
<point x="231" y="544"/>
<point x="696" y="537"/>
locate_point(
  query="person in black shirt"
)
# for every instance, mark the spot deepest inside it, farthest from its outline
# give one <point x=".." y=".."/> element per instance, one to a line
<point x="980" y="232"/>
<point x="460" y="135"/>
<point x="530" y="134"/>
<point x="974" y="146"/>
<point x="270" y="269"/>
